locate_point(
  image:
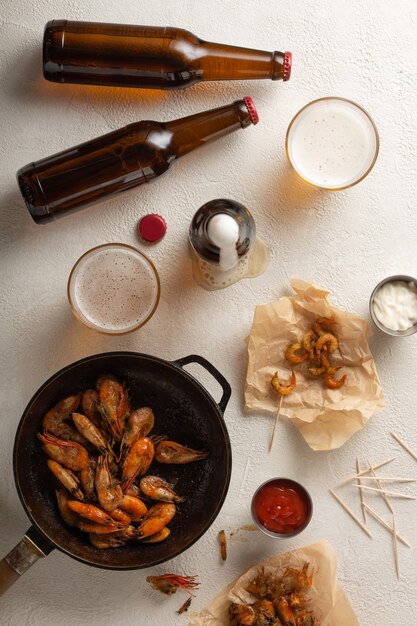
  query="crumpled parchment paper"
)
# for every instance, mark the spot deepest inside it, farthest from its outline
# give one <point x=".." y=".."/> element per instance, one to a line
<point x="328" y="601"/>
<point x="326" y="418"/>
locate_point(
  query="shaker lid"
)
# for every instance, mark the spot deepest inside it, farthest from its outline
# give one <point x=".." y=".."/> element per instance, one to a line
<point x="152" y="228"/>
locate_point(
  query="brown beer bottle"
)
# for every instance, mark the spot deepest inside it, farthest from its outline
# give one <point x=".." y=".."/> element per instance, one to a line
<point x="152" y="57"/>
<point x="123" y="159"/>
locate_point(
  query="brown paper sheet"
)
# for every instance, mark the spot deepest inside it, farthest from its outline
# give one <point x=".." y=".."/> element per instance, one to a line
<point x="326" y="418"/>
<point x="328" y="601"/>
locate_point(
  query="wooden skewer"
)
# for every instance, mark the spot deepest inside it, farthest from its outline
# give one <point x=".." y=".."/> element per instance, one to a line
<point x="391" y="479"/>
<point x="394" y="538"/>
<point x="404" y="445"/>
<point x="351" y="513"/>
<point x="395" y="494"/>
<point x="384" y="495"/>
<point x="365" y="471"/>
<point x="271" y="443"/>
<point x="385" y="525"/>
<point x="358" y="469"/>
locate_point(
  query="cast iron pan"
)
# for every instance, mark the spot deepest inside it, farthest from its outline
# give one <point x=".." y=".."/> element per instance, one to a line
<point x="183" y="410"/>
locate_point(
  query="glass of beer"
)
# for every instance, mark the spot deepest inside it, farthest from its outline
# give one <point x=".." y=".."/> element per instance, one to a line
<point x="113" y="289"/>
<point x="332" y="143"/>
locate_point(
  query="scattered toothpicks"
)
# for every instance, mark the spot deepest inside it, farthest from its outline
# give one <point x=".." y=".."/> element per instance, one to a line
<point x="404" y="445"/>
<point x="369" y="474"/>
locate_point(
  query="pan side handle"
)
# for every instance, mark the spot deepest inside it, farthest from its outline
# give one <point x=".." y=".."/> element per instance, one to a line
<point x="227" y="390"/>
<point x="31" y="548"/>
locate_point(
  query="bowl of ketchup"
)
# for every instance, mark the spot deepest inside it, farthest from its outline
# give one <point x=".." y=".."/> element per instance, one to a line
<point x="281" y="507"/>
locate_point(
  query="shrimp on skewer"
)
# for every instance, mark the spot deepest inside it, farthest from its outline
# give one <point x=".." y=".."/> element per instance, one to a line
<point x="89" y="402"/>
<point x="90" y="512"/>
<point x="284" y="390"/>
<point x="134" y="507"/>
<point x="137" y="461"/>
<point x="109" y="494"/>
<point x="158" y="489"/>
<point x="70" y="454"/>
<point x="91" y="433"/>
<point x="54" y="420"/>
<point x="172" y="452"/>
<point x="69" y="516"/>
<point x="66" y="478"/>
<point x="139" y="424"/>
<point x="155" y="519"/>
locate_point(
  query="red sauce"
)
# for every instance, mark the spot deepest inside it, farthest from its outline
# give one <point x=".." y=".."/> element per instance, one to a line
<point x="282" y="506"/>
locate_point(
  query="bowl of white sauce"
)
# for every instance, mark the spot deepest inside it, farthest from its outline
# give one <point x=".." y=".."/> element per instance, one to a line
<point x="393" y="305"/>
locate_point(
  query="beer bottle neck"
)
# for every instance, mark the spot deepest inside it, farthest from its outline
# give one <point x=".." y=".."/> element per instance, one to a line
<point x="223" y="62"/>
<point x="189" y="133"/>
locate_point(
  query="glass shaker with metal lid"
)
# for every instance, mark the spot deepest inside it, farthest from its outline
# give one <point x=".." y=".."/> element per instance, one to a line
<point x="224" y="245"/>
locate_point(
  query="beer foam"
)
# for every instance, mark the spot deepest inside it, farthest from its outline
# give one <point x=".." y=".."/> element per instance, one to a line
<point x="332" y="143"/>
<point x="114" y="289"/>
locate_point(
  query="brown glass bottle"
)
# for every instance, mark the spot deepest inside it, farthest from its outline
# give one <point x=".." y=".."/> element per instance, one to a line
<point x="123" y="159"/>
<point x="148" y="56"/>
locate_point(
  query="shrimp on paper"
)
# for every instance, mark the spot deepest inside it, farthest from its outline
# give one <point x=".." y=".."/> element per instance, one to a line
<point x="284" y="390"/>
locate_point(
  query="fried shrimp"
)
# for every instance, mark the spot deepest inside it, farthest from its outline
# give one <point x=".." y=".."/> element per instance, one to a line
<point x="292" y="356"/>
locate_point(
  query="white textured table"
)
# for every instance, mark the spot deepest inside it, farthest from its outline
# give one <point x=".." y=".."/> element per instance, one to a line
<point x="344" y="241"/>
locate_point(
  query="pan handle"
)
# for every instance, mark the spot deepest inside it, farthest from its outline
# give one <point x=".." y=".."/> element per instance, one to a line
<point x="31" y="548"/>
<point x="227" y="390"/>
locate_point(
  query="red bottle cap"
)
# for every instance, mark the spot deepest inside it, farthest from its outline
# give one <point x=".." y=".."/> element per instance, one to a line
<point x="152" y="228"/>
<point x="252" y="110"/>
<point x="287" y="66"/>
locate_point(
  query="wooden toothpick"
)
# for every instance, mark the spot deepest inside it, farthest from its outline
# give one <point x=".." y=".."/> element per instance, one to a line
<point x="395" y="494"/>
<point x="358" y="469"/>
<point x="271" y="443"/>
<point x="351" y="513"/>
<point x="384" y="494"/>
<point x="404" y="445"/>
<point x="394" y="538"/>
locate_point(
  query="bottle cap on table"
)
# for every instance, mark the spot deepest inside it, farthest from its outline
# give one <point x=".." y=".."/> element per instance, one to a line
<point x="287" y="65"/>
<point x="252" y="110"/>
<point x="152" y="228"/>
